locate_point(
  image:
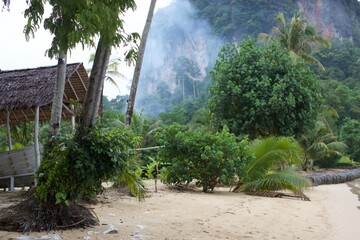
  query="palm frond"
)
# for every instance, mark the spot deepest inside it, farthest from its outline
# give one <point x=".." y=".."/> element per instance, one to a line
<point x="311" y="59"/>
<point x="264" y="38"/>
<point x="133" y="181"/>
<point x="130" y="178"/>
<point x="338" y="146"/>
<point x="281" y="19"/>
<point x="278" y="180"/>
<point x="272" y="152"/>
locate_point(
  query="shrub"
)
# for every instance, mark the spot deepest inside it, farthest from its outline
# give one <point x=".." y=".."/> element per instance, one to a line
<point x="206" y="157"/>
<point x="70" y="171"/>
<point x="330" y="161"/>
<point x="350" y="134"/>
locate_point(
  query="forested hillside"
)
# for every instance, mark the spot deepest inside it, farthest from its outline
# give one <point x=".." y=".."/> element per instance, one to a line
<point x="234" y="19"/>
<point x="186" y="37"/>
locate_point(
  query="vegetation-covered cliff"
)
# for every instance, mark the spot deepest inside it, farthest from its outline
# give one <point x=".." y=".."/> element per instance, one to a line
<point x="191" y="32"/>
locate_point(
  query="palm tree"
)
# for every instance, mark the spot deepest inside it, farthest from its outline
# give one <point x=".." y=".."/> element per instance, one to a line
<point x="202" y="119"/>
<point x="321" y="141"/>
<point x="130" y="178"/>
<point x="299" y="38"/>
<point x="112" y="71"/>
<point x="137" y="70"/>
<point x="271" y="168"/>
<point x="57" y="102"/>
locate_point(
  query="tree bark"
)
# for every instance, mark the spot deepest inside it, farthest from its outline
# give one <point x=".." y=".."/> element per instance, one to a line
<point x="56" y="109"/>
<point x="94" y="92"/>
<point x="137" y="70"/>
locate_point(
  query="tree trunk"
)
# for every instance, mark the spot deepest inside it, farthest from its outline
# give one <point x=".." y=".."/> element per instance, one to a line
<point x="56" y="108"/>
<point x="94" y="92"/>
<point x="137" y="70"/>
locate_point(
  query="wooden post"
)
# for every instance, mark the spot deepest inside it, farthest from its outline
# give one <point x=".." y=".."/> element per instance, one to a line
<point x="73" y="117"/>
<point x="12" y="184"/>
<point x="36" y="140"/>
<point x="8" y="129"/>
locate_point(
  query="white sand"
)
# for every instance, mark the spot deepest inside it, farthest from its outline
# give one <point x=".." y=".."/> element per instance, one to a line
<point x="331" y="214"/>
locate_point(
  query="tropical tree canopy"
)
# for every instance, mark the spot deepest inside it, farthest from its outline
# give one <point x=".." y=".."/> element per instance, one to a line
<point x="299" y="37"/>
<point x="80" y="22"/>
<point x="350" y="134"/>
<point x="259" y="91"/>
<point x="321" y="142"/>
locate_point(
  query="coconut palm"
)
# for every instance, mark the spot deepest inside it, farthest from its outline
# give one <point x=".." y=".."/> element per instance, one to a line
<point x="321" y="141"/>
<point x="299" y="38"/>
<point x="130" y="178"/>
<point x="137" y="70"/>
<point x="202" y="119"/>
<point x="272" y="169"/>
<point x="112" y="71"/>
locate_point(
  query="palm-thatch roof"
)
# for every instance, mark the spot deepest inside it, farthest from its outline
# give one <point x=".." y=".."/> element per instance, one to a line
<point x="21" y="91"/>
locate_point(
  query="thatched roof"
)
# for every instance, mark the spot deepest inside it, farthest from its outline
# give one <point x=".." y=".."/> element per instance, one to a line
<point x="22" y="90"/>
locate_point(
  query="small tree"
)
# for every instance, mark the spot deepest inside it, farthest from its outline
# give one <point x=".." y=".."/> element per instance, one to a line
<point x="206" y="157"/>
<point x="350" y="134"/>
<point x="260" y="92"/>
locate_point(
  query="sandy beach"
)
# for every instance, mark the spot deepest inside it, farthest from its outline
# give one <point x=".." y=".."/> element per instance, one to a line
<point x="333" y="213"/>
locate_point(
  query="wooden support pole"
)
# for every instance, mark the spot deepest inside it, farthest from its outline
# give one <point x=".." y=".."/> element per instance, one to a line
<point x="12" y="184"/>
<point x="8" y="129"/>
<point x="73" y="117"/>
<point x="36" y="140"/>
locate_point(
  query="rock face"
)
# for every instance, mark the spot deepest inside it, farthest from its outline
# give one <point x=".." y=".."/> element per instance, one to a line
<point x="176" y="33"/>
<point x="334" y="178"/>
<point x="333" y="19"/>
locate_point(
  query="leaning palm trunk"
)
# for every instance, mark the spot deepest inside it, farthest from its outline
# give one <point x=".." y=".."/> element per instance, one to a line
<point x="137" y="71"/>
<point x="96" y="83"/>
<point x="56" y="109"/>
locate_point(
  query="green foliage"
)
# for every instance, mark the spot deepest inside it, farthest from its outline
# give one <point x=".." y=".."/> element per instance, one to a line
<point x="234" y="19"/>
<point x="80" y="22"/>
<point x="70" y="171"/>
<point x="23" y="133"/>
<point x="350" y="134"/>
<point x="3" y="138"/>
<point x="328" y="161"/>
<point x="321" y="146"/>
<point x="152" y="171"/>
<point x="264" y="92"/>
<point x="346" y="162"/>
<point x="130" y="177"/>
<point x="270" y="155"/>
<point x="206" y="157"/>
<point x="298" y="37"/>
<point x="181" y="113"/>
<point x="117" y="103"/>
<point x="344" y="99"/>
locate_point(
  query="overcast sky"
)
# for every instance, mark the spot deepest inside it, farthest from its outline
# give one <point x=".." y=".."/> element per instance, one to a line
<point x="17" y="53"/>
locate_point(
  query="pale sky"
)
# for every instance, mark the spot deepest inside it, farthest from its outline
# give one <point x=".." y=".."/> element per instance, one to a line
<point x="17" y="53"/>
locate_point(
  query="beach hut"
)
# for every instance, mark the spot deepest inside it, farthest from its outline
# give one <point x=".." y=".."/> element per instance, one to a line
<point x="26" y="96"/>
